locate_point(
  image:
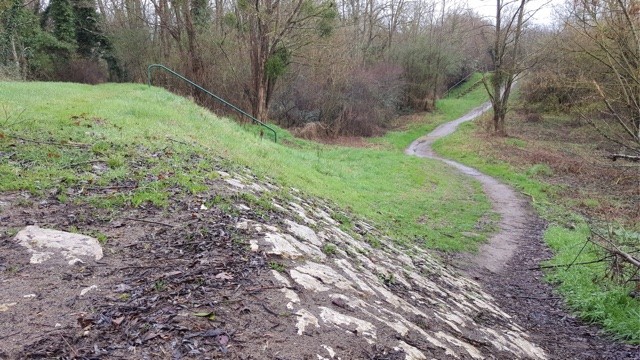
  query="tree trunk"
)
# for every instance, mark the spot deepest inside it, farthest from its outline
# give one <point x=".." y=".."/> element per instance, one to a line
<point x="507" y="62"/>
<point x="165" y="46"/>
<point x="219" y="15"/>
<point x="195" y="65"/>
<point x="14" y="52"/>
<point x="499" y="122"/>
<point x="258" y="62"/>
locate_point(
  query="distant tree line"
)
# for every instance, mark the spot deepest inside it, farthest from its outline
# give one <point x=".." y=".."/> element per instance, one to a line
<point x="346" y="67"/>
<point x="591" y="69"/>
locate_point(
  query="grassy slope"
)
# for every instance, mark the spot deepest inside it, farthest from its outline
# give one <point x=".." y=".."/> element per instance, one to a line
<point x="595" y="299"/>
<point x="411" y="198"/>
<point x="448" y="109"/>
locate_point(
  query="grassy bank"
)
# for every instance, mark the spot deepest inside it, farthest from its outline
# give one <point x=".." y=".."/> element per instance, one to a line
<point x="57" y="136"/>
<point x="551" y="171"/>
<point x="458" y="102"/>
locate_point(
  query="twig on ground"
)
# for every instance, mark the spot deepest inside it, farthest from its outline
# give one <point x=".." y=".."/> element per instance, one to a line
<point x="614" y="157"/>
<point x="533" y="199"/>
<point x="10" y="335"/>
<point x="71" y="144"/>
<point x="75" y="353"/>
<point x="266" y="288"/>
<point x="83" y="163"/>
<point x="178" y="141"/>
<point x="112" y="187"/>
<point x="540" y="267"/>
<point x="578" y="254"/>
<point x="149" y="221"/>
<point x="538" y="297"/>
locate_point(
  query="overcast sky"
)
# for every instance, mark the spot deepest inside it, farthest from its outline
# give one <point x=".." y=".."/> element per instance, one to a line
<point x="545" y="16"/>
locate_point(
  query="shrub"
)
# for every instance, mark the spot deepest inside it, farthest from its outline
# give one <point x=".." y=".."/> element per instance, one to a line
<point x="360" y="103"/>
<point x="83" y="71"/>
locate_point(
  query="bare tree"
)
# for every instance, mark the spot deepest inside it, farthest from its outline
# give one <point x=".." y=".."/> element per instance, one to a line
<point x="276" y="29"/>
<point x="507" y="57"/>
<point x="608" y="33"/>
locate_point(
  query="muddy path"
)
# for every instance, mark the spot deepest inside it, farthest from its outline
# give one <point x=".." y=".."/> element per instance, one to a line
<point x="511" y="206"/>
<point x="506" y="266"/>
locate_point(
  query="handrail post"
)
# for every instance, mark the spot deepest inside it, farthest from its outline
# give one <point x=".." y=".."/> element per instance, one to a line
<point x="215" y="97"/>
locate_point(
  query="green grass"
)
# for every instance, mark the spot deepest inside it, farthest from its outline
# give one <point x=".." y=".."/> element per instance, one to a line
<point x="585" y="287"/>
<point x="128" y="126"/>
<point x="455" y="146"/>
<point x="329" y="249"/>
<point x="466" y="86"/>
<point x="448" y="109"/>
<point x="277" y="266"/>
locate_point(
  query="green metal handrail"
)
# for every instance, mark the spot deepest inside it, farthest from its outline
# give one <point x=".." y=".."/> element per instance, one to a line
<point x="215" y="97"/>
<point x="446" y="93"/>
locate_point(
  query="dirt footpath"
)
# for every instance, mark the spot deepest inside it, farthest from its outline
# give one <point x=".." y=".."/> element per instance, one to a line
<point x="506" y="267"/>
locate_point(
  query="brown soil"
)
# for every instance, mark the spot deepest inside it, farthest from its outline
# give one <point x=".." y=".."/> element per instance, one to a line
<point x="506" y="267"/>
<point x="150" y="285"/>
<point x="520" y="289"/>
<point x="576" y="154"/>
<point x="179" y="283"/>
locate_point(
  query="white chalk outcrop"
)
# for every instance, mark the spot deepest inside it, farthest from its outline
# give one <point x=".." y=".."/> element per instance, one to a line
<point x="401" y="297"/>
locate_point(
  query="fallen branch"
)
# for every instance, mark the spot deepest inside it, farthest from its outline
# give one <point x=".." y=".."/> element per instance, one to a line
<point x="612" y="248"/>
<point x="614" y="157"/>
<point x="540" y="267"/>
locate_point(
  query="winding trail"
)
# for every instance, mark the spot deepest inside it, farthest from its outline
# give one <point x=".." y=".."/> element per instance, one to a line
<point x="507" y="267"/>
<point x="513" y="209"/>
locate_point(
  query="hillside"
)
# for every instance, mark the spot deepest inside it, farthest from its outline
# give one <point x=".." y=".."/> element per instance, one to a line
<point x="203" y="255"/>
<point x="116" y="124"/>
<point x="188" y="236"/>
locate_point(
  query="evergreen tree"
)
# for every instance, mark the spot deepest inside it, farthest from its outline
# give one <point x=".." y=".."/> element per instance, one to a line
<point x="64" y="22"/>
<point x="89" y="38"/>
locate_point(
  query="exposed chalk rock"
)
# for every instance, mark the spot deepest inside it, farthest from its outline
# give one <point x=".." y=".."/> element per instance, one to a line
<point x="235" y="183"/>
<point x="411" y="352"/>
<point x="332" y="353"/>
<point x="326" y="274"/>
<point x="305" y="318"/>
<point x="384" y="295"/>
<point x="278" y="206"/>
<point x="326" y="217"/>
<point x="468" y="347"/>
<point x="5" y="307"/>
<point x="357" y="325"/>
<point x="44" y="243"/>
<point x="87" y="289"/>
<point x="303" y="232"/>
<point x="242" y="207"/>
<point x="307" y="281"/>
<point x="281" y="246"/>
<point x="257" y="188"/>
<point x="250" y="225"/>
<point x="299" y="210"/>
